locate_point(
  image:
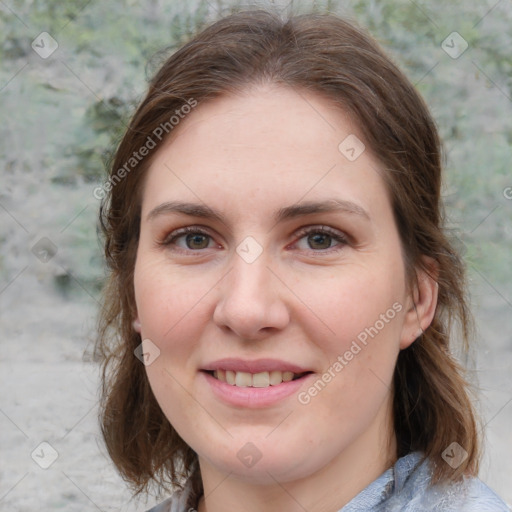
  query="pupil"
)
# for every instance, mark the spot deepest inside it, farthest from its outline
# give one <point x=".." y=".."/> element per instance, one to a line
<point x="316" y="241"/>
<point x="319" y="239"/>
<point x="197" y="240"/>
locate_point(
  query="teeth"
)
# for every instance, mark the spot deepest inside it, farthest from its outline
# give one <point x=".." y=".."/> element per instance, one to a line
<point x="287" y="376"/>
<point x="230" y="377"/>
<point x="243" y="379"/>
<point x="261" y="380"/>
<point x="255" y="380"/>
<point x="276" y="378"/>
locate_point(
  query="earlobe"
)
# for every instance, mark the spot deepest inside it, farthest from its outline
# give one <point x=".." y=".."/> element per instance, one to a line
<point x="422" y="304"/>
<point x="137" y="325"/>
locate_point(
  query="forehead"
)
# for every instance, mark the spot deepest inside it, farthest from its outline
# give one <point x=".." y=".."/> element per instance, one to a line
<point x="271" y="144"/>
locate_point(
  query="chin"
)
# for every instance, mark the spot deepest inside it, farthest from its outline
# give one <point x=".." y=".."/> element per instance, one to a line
<point x="264" y="463"/>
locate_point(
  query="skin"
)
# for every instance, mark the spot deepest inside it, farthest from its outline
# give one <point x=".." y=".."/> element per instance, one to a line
<point x="301" y="301"/>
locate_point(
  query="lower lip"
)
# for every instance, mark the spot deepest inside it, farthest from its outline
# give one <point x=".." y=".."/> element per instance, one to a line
<point x="253" y="397"/>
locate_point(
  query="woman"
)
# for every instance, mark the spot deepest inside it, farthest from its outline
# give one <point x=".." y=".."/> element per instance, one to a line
<point x="277" y="320"/>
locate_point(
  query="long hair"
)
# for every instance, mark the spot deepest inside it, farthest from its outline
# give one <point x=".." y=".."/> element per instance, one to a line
<point x="328" y="56"/>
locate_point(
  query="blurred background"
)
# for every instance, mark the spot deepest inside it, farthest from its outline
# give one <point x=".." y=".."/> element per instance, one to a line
<point x="71" y="74"/>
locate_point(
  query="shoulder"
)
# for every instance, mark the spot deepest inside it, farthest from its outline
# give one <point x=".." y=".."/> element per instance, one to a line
<point x="172" y="504"/>
<point x="481" y="498"/>
<point x="178" y="502"/>
<point x="165" y="506"/>
<point x="467" y="495"/>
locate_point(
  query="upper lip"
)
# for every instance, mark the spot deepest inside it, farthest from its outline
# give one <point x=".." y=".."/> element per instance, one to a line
<point x="256" y="366"/>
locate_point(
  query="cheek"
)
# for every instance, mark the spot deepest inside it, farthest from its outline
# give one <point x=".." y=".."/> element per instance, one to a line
<point x="362" y="313"/>
<point x="352" y="301"/>
<point x="166" y="298"/>
<point x="172" y="315"/>
<point x="173" y="306"/>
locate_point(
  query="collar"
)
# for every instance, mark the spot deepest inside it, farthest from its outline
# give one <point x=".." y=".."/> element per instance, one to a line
<point x="390" y="483"/>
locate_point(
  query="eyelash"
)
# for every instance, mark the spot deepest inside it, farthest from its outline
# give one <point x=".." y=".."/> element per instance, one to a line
<point x="324" y="230"/>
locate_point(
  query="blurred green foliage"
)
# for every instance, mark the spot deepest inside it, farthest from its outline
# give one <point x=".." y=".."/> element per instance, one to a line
<point x="63" y="116"/>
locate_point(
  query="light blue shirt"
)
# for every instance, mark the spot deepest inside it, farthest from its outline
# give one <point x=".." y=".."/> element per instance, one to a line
<point x="405" y="487"/>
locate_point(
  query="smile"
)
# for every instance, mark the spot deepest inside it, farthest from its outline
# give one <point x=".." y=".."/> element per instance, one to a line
<point x="240" y="382"/>
<point x="256" y="380"/>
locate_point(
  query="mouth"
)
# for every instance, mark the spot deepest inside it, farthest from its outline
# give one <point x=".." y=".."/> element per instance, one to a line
<point x="255" y="380"/>
<point x="254" y="384"/>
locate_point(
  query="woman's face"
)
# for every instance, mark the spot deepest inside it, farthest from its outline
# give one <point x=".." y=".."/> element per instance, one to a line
<point x="290" y="267"/>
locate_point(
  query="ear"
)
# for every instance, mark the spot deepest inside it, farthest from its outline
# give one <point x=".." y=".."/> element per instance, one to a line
<point x="421" y="304"/>
<point x="137" y="325"/>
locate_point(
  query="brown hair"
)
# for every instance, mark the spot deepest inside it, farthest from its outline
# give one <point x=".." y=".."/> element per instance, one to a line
<point x="330" y="57"/>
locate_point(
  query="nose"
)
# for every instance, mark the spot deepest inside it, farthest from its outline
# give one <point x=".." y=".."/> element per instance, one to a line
<point x="251" y="302"/>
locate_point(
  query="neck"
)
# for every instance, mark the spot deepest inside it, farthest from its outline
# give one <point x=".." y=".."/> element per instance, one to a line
<point x="327" y="490"/>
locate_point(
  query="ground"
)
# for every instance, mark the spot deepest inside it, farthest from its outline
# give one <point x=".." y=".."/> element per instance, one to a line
<point x="50" y="395"/>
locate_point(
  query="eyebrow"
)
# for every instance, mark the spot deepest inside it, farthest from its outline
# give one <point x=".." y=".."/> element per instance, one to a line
<point x="286" y="213"/>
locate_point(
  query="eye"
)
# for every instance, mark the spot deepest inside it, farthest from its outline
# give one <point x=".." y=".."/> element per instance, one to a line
<point x="321" y="239"/>
<point x="316" y="238"/>
<point x="189" y="238"/>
